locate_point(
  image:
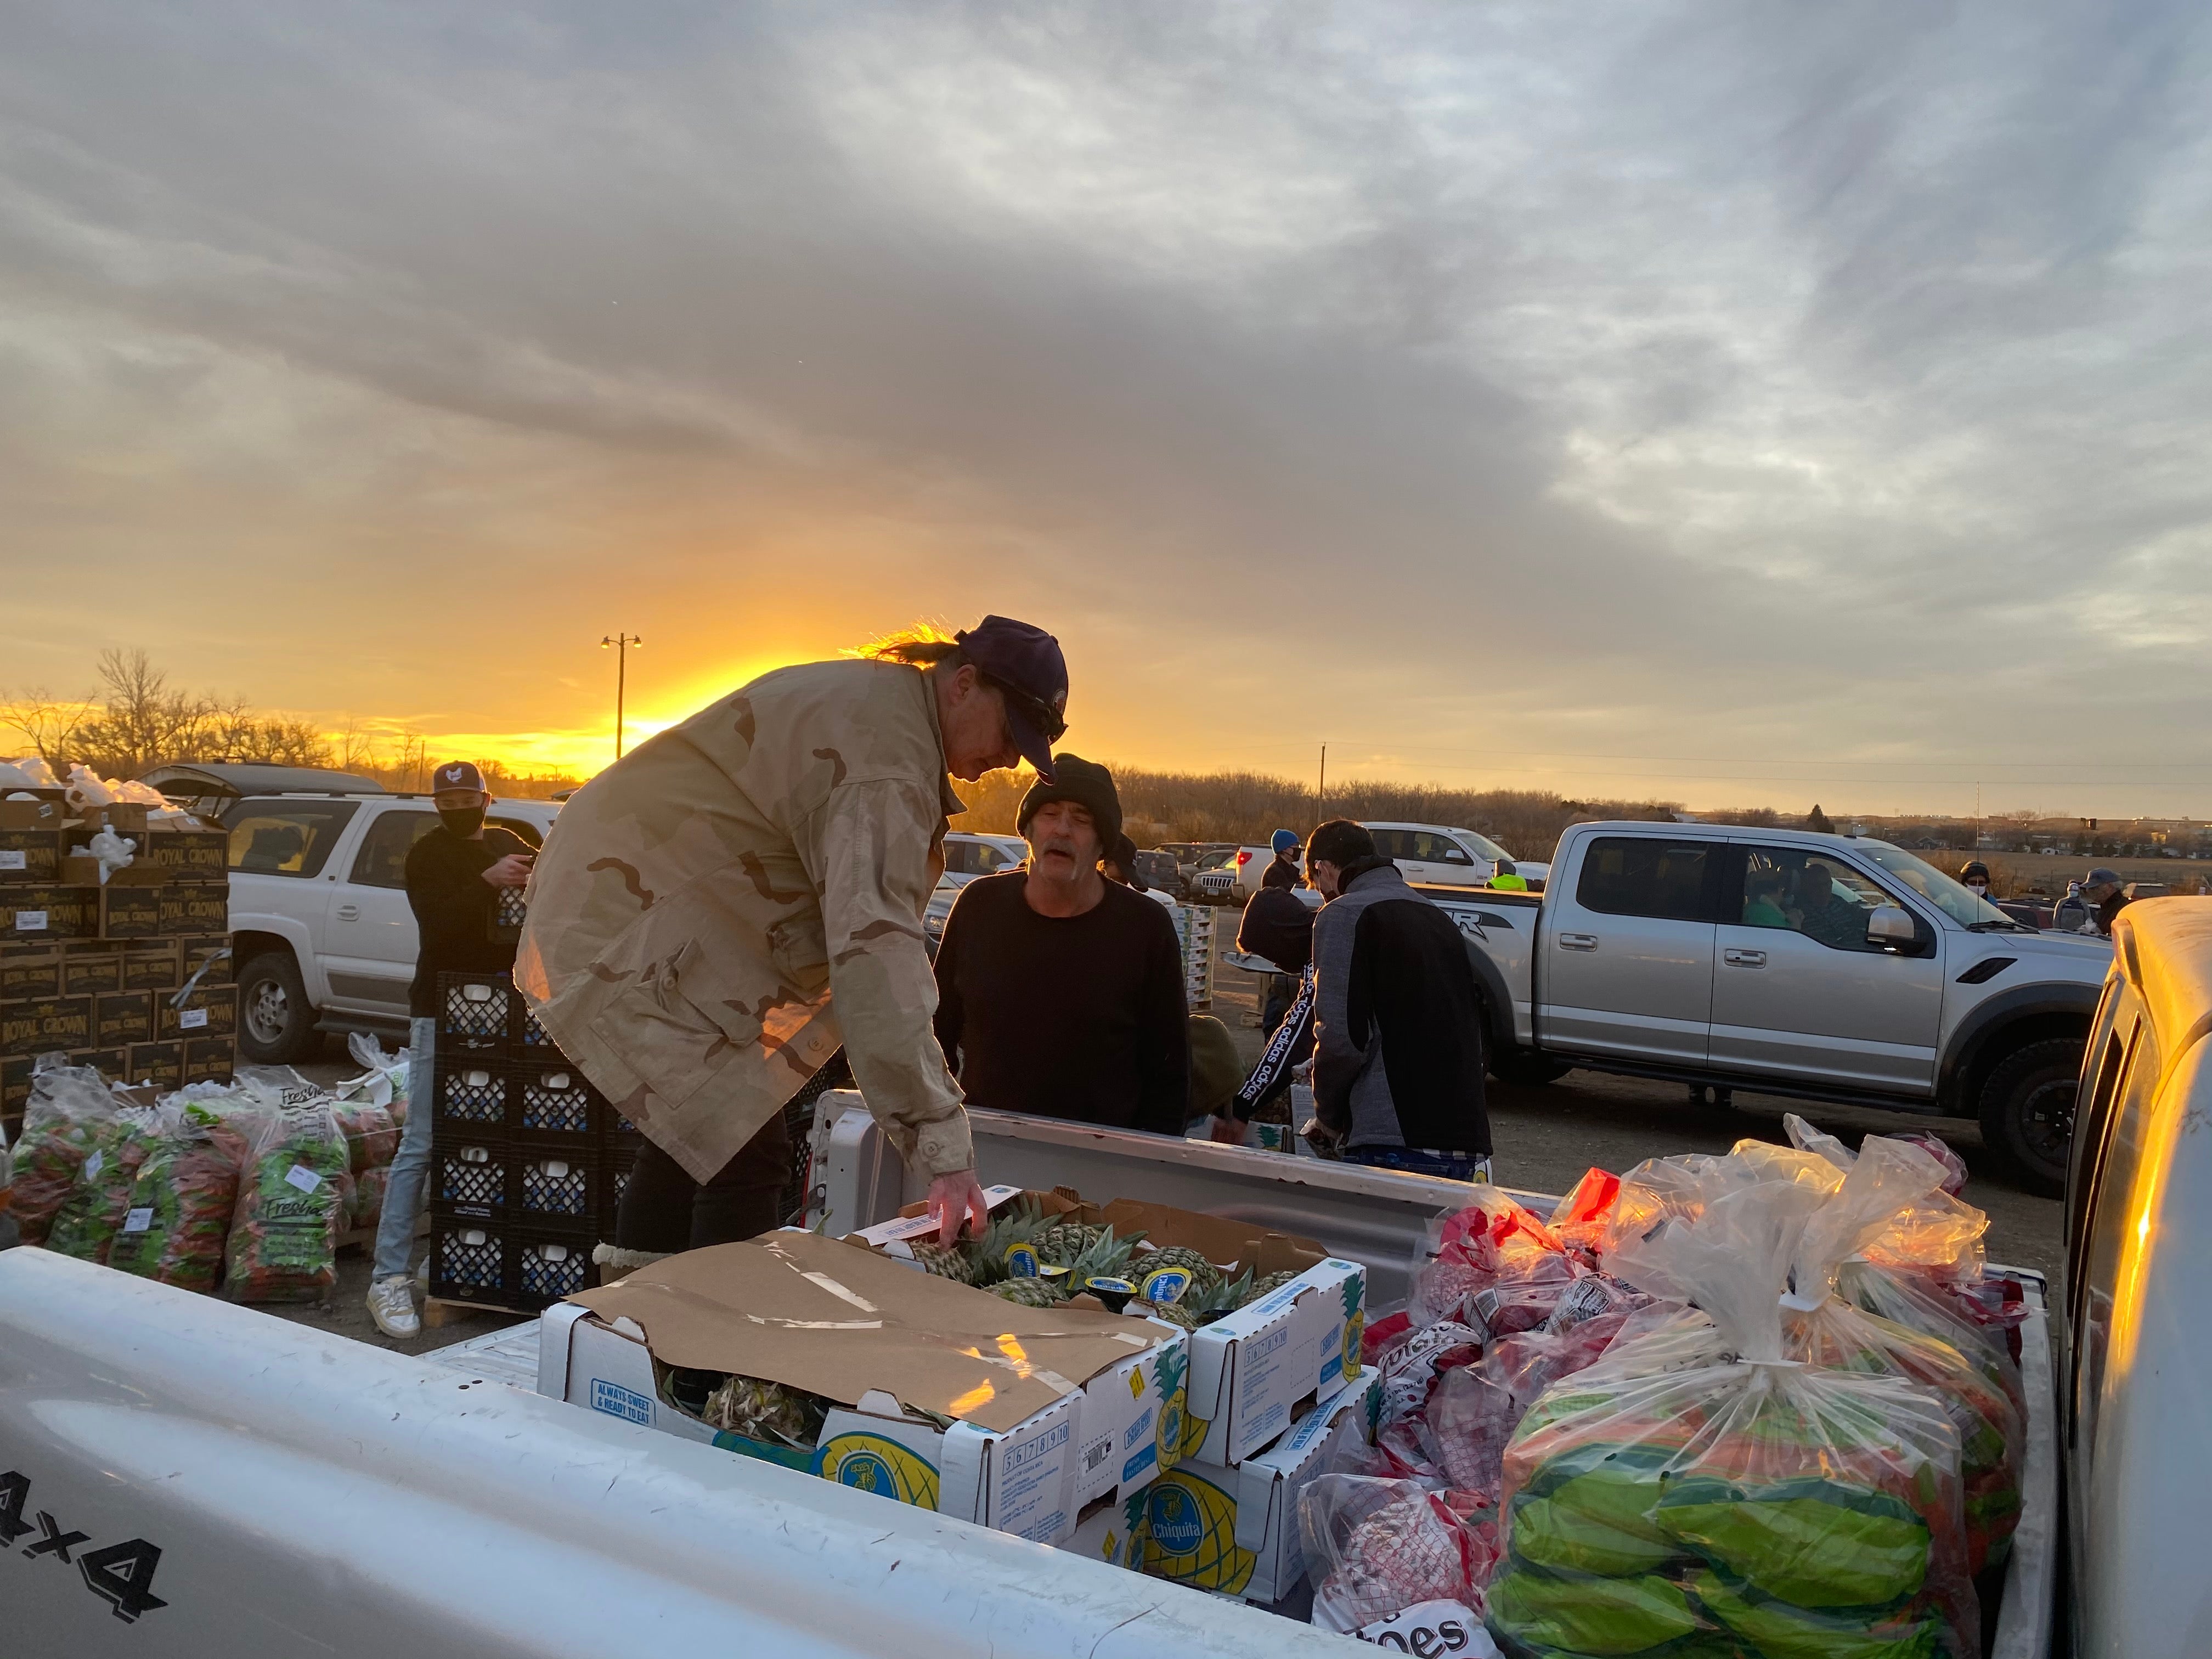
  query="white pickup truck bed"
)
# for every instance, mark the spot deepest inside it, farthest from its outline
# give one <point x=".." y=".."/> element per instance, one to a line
<point x="302" y="1493"/>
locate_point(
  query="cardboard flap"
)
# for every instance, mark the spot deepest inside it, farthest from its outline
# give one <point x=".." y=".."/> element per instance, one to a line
<point x="1218" y="1239"/>
<point x="837" y="1320"/>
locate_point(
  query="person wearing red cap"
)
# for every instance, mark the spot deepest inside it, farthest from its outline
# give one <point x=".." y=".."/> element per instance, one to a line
<point x="719" y="911"/>
<point x="454" y="873"/>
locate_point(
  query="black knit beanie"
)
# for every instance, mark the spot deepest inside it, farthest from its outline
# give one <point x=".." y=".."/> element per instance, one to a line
<point x="1088" y="784"/>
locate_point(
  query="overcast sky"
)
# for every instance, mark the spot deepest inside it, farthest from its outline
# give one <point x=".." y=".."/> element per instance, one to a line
<point x="1728" y="402"/>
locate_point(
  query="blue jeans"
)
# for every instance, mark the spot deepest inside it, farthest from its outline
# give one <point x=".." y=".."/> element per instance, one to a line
<point x="1414" y="1160"/>
<point x="410" y="1166"/>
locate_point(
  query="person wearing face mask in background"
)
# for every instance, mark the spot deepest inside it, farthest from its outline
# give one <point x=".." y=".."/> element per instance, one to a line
<point x="1975" y="879"/>
<point x="453" y="877"/>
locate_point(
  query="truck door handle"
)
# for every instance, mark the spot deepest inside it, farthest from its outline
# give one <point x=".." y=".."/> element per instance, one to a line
<point x="1578" y="941"/>
<point x="348" y="913"/>
<point x="1744" y="958"/>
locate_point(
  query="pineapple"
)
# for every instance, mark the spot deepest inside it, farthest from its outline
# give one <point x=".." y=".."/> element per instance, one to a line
<point x="986" y="1256"/>
<point x="1104" y="1257"/>
<point x="1196" y="1307"/>
<point x="1269" y="1286"/>
<point x="1060" y="1244"/>
<point x="764" y="1411"/>
<point x="945" y="1262"/>
<point x="1173" y="1313"/>
<point x="1028" y="1292"/>
<point x="1204" y="1275"/>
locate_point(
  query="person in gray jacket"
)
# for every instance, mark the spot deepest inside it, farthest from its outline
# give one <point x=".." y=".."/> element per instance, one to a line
<point x="1398" y="1060"/>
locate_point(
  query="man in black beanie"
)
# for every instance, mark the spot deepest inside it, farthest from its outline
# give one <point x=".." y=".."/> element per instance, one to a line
<point x="1060" y="994"/>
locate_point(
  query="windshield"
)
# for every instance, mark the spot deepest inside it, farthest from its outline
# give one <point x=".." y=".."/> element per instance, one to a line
<point x="1932" y="885"/>
<point x="1483" y="845"/>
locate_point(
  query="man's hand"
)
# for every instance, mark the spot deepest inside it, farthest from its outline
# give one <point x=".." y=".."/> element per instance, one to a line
<point x="1229" y="1132"/>
<point x="513" y="871"/>
<point x="953" y="1200"/>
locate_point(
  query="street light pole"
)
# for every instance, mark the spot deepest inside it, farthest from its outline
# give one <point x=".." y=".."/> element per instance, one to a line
<point x="623" y="644"/>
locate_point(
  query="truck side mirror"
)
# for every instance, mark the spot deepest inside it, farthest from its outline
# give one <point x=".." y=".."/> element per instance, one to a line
<point x="1891" y="929"/>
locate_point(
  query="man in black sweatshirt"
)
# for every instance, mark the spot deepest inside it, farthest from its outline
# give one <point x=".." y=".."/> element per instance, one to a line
<point x="1060" y="994"/>
<point x="453" y="877"/>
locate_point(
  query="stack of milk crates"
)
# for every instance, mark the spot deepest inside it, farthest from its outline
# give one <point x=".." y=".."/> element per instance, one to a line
<point x="527" y="1159"/>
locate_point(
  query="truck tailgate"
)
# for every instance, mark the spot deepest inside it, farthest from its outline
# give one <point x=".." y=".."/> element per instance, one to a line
<point x="182" y="1477"/>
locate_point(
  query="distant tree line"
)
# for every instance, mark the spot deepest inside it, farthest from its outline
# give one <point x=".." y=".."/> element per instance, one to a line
<point x="138" y="720"/>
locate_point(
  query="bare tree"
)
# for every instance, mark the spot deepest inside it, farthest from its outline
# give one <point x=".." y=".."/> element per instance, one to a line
<point x="50" y="725"/>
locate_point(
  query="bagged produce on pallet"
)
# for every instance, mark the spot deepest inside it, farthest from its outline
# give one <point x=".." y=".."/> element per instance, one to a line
<point x="291" y="1201"/>
<point x="69" y="1110"/>
<point x="372" y="1138"/>
<point x="86" y="1224"/>
<point x="178" y="1217"/>
<point x="1740" y="1502"/>
<point x="384" y="1081"/>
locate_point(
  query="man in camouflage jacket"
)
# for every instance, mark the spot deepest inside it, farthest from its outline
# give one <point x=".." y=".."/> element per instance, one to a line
<point x="716" y="914"/>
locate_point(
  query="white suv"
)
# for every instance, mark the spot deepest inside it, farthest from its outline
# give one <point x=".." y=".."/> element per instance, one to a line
<point x="321" y="935"/>
<point x="1437" y="856"/>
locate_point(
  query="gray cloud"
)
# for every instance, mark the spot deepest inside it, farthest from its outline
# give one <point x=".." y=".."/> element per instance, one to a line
<point x="1676" y="381"/>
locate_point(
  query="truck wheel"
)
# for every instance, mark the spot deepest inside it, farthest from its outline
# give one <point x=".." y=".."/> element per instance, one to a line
<point x="1526" y="1068"/>
<point x="2027" y="1111"/>
<point x="275" y="1026"/>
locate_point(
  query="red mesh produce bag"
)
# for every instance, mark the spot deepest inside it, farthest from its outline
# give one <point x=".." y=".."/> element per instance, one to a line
<point x="1377" y="1547"/>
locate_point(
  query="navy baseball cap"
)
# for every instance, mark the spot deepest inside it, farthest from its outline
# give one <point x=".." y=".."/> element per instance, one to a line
<point x="458" y="775"/>
<point x="1024" y="663"/>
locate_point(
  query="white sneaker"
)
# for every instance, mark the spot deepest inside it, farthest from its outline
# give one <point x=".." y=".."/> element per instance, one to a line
<point x="391" y="1305"/>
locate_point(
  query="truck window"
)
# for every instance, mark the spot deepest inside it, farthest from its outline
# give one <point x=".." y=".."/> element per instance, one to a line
<point x="1823" y="898"/>
<point x="1391" y="843"/>
<point x="285" y="838"/>
<point x="1432" y="848"/>
<point x="1643" y="876"/>
<point x="2113" y="1230"/>
<point x="382" y="860"/>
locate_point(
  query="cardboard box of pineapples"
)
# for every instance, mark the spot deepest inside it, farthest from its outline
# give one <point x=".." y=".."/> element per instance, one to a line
<point x="840" y="1362"/>
<point x="1275" y="1322"/>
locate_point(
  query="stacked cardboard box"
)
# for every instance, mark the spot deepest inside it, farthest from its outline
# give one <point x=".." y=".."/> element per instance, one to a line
<point x="131" y="976"/>
<point x="527" y="1159"/>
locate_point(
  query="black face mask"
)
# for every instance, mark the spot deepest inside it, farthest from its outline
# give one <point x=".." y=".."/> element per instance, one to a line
<point x="462" y="820"/>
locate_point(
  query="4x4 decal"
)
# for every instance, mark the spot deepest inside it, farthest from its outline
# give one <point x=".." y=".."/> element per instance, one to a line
<point x="121" y="1575"/>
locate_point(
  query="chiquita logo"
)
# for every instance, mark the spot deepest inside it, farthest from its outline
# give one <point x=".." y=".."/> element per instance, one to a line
<point x="1190" y="1529"/>
<point x="874" y="1464"/>
<point x="1167" y="1285"/>
<point x="1021" y="1261"/>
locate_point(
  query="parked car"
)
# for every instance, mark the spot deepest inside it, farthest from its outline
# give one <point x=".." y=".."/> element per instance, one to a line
<point x="321" y="930"/>
<point x="1826" y="967"/>
<point x="1160" y="873"/>
<point x="968" y="856"/>
<point x="206" y="788"/>
<point x="1212" y="880"/>
<point x="1187" y="856"/>
<point x="1441" y="856"/>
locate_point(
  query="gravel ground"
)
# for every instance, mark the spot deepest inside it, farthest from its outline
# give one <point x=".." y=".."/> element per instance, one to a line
<point x="1544" y="1139"/>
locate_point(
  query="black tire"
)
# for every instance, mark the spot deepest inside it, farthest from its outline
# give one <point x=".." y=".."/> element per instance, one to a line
<point x="2027" y="1111"/>
<point x="275" y="1023"/>
<point x="1525" y="1068"/>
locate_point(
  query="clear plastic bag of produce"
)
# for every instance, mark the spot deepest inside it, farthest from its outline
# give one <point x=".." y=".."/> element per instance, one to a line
<point x="384" y="1082"/>
<point x="178" y="1217"/>
<point x="1751" y="1504"/>
<point x="372" y="1138"/>
<point x="291" y="1204"/>
<point x="69" y="1108"/>
<point x="365" y="1207"/>
<point x="1376" y="1547"/>
<point x="86" y="1221"/>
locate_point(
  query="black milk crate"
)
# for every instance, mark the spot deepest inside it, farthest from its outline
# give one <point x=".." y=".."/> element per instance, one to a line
<point x="475" y="1014"/>
<point x="554" y="1101"/>
<point x="471" y="1261"/>
<point x="472" y="1177"/>
<point x="508" y="912"/>
<point x="527" y="1039"/>
<point x="548" y="1267"/>
<point x="621" y="1137"/>
<point x="556" y="1188"/>
<point x="616" y="1163"/>
<point x="471" y="1093"/>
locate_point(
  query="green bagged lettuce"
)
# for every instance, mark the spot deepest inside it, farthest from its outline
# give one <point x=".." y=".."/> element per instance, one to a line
<point x="1699" y="1490"/>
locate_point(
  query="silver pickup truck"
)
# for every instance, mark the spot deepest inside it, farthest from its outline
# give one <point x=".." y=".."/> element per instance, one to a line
<point x="1828" y="967"/>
